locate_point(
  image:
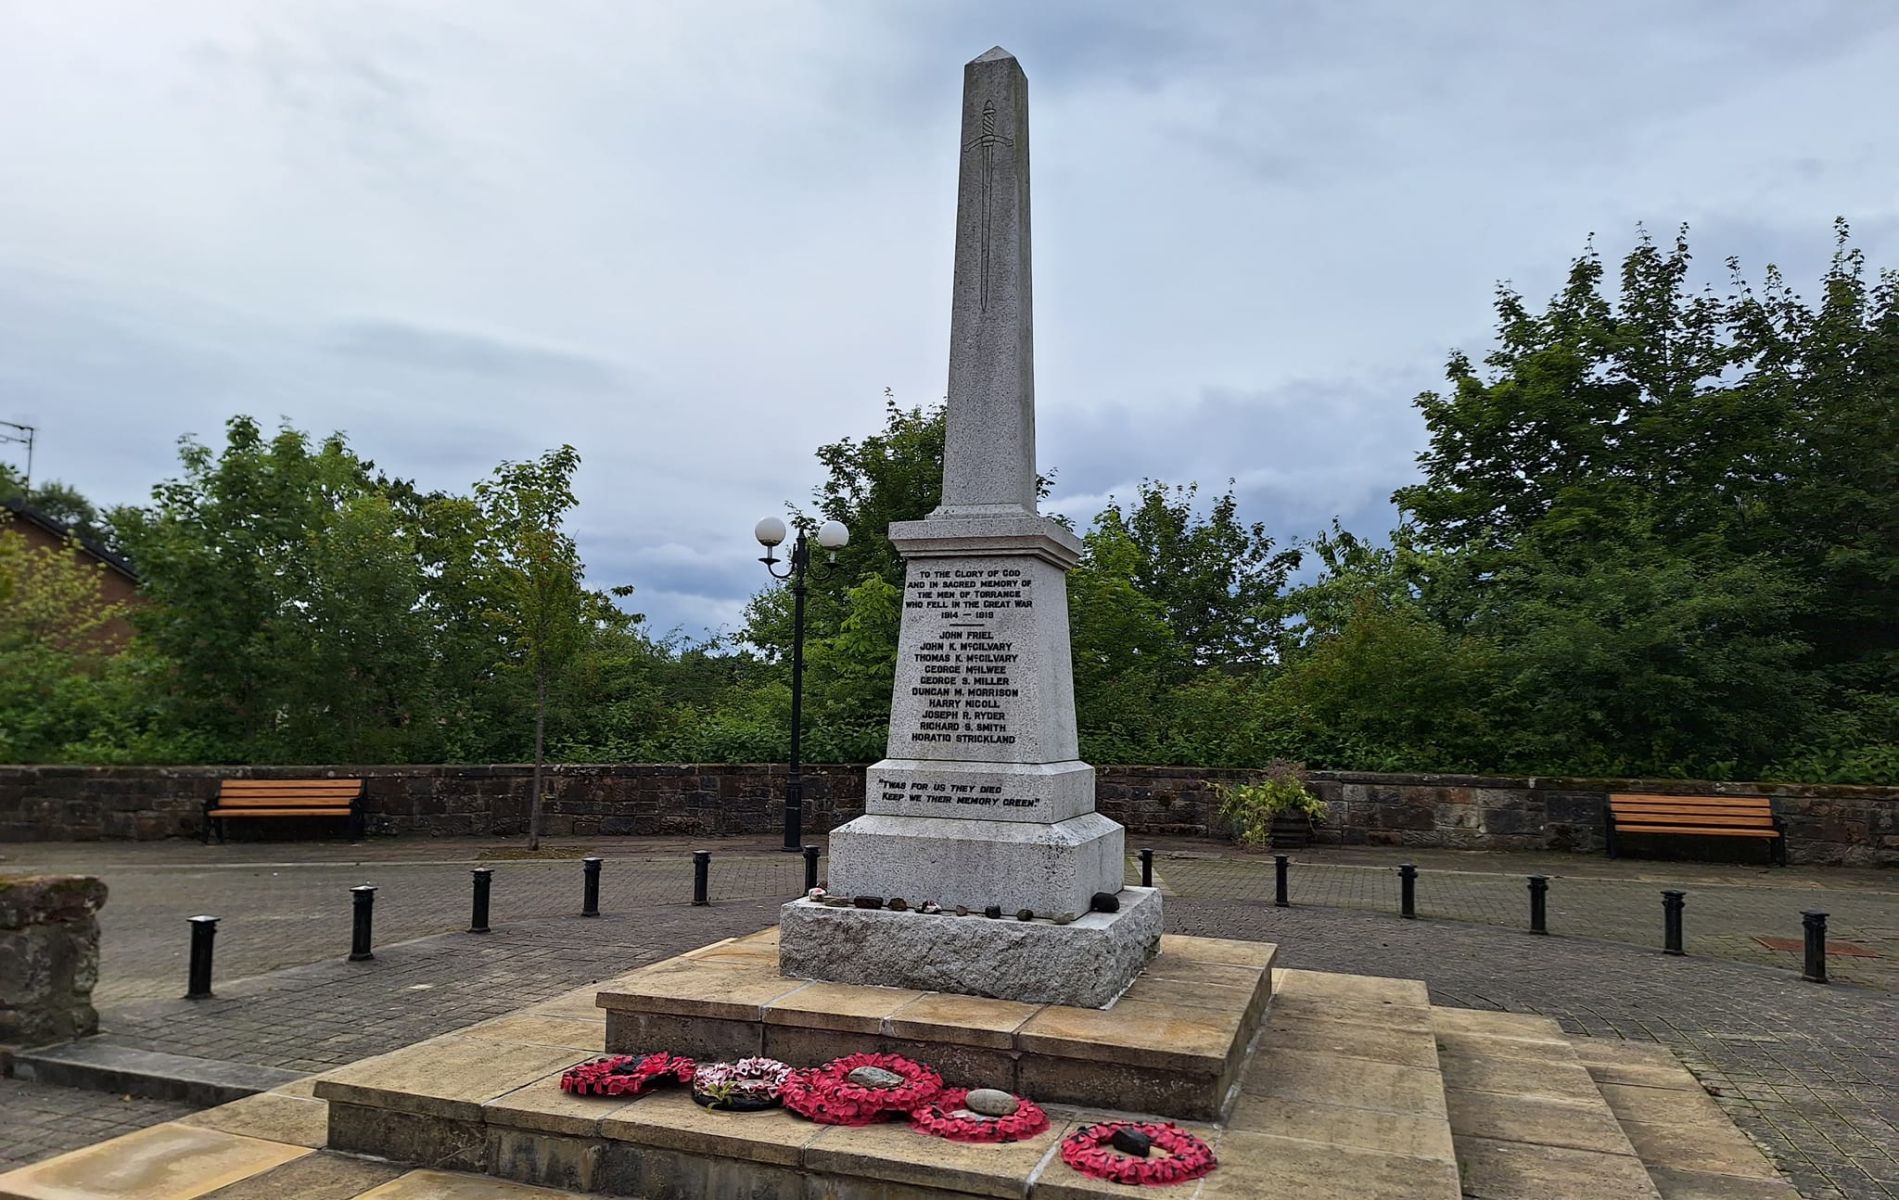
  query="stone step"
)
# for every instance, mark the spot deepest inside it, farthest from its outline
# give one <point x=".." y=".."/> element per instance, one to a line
<point x="102" y="1065"/>
<point x="1527" y="1118"/>
<point x="1689" y="1147"/>
<point x="1171" y="1045"/>
<point x="1344" y="1096"/>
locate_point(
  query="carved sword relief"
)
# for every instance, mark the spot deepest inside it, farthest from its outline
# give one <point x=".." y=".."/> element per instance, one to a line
<point x="987" y="141"/>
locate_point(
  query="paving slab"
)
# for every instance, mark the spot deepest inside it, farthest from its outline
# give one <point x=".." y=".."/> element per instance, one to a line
<point x="1257" y="1164"/>
<point x="1537" y="1120"/>
<point x="165" y="1162"/>
<point x="450" y="1185"/>
<point x="891" y="1153"/>
<point x="1404" y="1134"/>
<point x="272" y="1116"/>
<point x="1306" y="1076"/>
<point x="319" y="1176"/>
<point x="448" y="1077"/>
<point x="1508" y="1170"/>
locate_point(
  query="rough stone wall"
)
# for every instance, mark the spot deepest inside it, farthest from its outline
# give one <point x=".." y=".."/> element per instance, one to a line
<point x="49" y="957"/>
<point x="1854" y="825"/>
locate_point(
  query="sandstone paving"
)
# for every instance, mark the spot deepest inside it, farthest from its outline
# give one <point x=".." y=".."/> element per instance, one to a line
<point x="1256" y="1164"/>
<point x="1807" y="1071"/>
<point x="1506" y="1144"/>
<point x="967" y="1020"/>
<point x="673" y="1122"/>
<point x="272" y="1116"/>
<point x="1497" y="1169"/>
<point x="1678" y="1184"/>
<point x="890" y="1152"/>
<point x="1406" y="1134"/>
<point x="165" y="1162"/>
<point x="1303" y="1075"/>
<point x="449" y="1077"/>
<point x="322" y="1175"/>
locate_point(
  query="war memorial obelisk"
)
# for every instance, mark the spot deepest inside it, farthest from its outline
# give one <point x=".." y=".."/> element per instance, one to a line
<point x="982" y="801"/>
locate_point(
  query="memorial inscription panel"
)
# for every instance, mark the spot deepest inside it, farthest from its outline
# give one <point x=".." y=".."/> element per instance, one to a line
<point x="970" y="732"/>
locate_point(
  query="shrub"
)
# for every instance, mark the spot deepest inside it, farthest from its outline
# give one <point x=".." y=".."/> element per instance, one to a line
<point x="1248" y="809"/>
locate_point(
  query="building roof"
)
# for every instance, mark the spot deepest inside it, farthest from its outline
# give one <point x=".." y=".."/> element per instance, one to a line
<point x="23" y="511"/>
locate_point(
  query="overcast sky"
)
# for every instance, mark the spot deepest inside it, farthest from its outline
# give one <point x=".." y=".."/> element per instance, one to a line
<point x="696" y="240"/>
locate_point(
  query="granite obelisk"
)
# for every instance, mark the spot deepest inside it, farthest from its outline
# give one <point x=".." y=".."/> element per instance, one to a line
<point x="982" y="800"/>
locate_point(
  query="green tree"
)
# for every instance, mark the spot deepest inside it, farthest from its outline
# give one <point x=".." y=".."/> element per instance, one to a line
<point x="543" y="608"/>
<point x="284" y="600"/>
<point x="1217" y="578"/>
<point x="53" y="615"/>
<point x="61" y="502"/>
<point x="1671" y="514"/>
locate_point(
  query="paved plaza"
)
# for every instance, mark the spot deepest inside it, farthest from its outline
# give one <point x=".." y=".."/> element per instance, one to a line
<point x="1811" y="1073"/>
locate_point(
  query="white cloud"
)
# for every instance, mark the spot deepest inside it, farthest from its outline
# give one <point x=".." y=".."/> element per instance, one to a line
<point x="696" y="241"/>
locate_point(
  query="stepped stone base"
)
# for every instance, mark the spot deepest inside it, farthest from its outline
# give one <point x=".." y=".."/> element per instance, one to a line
<point x="1085" y="964"/>
<point x="1173" y="1044"/>
<point x="1355" y="1089"/>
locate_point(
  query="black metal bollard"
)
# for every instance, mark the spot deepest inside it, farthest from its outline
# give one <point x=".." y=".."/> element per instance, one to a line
<point x="590" y="886"/>
<point x="1408" y="891"/>
<point x="1672" y="903"/>
<point x="1147" y="866"/>
<point x="810" y="868"/>
<point x="198" y="981"/>
<point x="363" y="899"/>
<point x="1539" y="904"/>
<point x="1815" y="968"/>
<point x="1280" y="863"/>
<point x="701" y="869"/>
<point x="484" y="881"/>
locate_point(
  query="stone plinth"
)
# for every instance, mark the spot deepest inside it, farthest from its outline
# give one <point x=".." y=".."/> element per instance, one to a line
<point x="1049" y="869"/>
<point x="49" y="957"/>
<point x="1084" y="964"/>
<point x="1171" y="1045"/>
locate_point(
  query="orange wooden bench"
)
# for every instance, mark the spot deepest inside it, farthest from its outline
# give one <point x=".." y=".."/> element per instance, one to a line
<point x="1697" y="816"/>
<point x="242" y="799"/>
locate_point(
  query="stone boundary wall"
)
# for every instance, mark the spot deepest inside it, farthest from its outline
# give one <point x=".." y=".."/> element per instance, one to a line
<point x="49" y="957"/>
<point x="1825" y="824"/>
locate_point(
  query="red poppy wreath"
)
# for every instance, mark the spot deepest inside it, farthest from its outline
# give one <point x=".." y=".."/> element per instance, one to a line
<point x="829" y="1096"/>
<point x="626" y="1074"/>
<point x="1091" y="1151"/>
<point x="946" y="1117"/>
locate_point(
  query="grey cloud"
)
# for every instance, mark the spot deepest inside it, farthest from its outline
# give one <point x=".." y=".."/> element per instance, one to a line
<point x="414" y="346"/>
<point x="1299" y="454"/>
<point x="697" y="241"/>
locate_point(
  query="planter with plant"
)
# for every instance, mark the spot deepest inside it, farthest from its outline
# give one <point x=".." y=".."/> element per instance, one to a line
<point x="1275" y="811"/>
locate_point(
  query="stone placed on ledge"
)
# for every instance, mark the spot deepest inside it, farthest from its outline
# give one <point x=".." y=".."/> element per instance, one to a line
<point x="991" y="1102"/>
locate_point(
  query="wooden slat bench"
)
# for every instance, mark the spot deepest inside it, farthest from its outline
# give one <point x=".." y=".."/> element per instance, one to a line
<point x="1696" y="816"/>
<point x="241" y="799"/>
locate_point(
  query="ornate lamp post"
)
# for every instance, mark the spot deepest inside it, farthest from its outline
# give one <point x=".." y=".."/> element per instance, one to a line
<point x="831" y="537"/>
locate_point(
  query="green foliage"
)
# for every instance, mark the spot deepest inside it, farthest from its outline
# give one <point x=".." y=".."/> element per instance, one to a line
<point x="1216" y="579"/>
<point x="1247" y="810"/>
<point x="53" y="617"/>
<point x="61" y="502"/>
<point x="1655" y="532"/>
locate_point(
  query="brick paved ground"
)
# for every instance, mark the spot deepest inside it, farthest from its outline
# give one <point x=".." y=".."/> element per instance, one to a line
<point x="1729" y="908"/>
<point x="38" y="1121"/>
<point x="286" y="905"/>
<point x="1811" y="1073"/>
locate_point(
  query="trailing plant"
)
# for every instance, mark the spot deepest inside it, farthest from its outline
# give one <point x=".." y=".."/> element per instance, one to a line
<point x="1248" y="809"/>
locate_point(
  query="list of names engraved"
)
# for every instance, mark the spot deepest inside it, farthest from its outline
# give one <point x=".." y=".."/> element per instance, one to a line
<point x="963" y="671"/>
